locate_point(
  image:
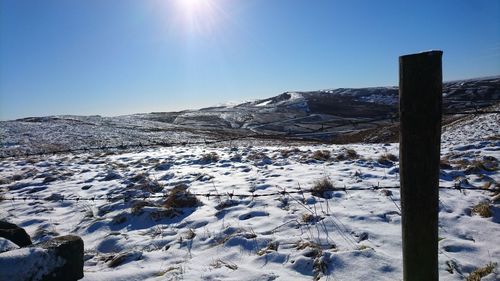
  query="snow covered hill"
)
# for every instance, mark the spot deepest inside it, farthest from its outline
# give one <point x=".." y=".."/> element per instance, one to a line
<point x="338" y="115"/>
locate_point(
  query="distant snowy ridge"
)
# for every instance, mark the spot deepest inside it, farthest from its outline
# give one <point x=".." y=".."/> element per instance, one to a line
<point x="336" y="115"/>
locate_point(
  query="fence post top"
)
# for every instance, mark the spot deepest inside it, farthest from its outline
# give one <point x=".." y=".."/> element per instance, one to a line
<point x="428" y="53"/>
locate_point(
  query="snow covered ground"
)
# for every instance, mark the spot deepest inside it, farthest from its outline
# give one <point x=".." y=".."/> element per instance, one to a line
<point x="131" y="232"/>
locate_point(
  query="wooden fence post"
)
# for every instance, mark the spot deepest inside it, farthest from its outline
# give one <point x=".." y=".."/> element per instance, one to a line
<point x="420" y="109"/>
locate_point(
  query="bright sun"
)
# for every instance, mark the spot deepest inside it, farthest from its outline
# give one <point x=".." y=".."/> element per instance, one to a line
<point x="190" y="6"/>
<point x="198" y="15"/>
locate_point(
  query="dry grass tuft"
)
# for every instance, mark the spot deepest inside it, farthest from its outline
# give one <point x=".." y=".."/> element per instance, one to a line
<point x="347" y="154"/>
<point x="461" y="163"/>
<point x="137" y="207"/>
<point x="321" y="155"/>
<point x="487" y="164"/>
<point x="302" y="244"/>
<point x="4" y="181"/>
<point x="119" y="259"/>
<point x="488" y="184"/>
<point x="256" y="156"/>
<point x="483" y="209"/>
<point x="315" y="251"/>
<point x="285" y="153"/>
<point x="387" y="159"/>
<point x="364" y="247"/>
<point x="481" y="272"/>
<point x="351" y="154"/>
<point x="226" y="204"/>
<point x="210" y="157"/>
<point x="321" y="188"/>
<point x="219" y="263"/>
<point x="320" y="267"/>
<point x="494" y="137"/>
<point x="310" y="218"/>
<point x="142" y="182"/>
<point x="271" y="247"/>
<point x="180" y="197"/>
<point x="386" y="192"/>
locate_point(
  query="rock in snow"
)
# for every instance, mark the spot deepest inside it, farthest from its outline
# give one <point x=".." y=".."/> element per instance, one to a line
<point x="55" y="260"/>
<point x="14" y="233"/>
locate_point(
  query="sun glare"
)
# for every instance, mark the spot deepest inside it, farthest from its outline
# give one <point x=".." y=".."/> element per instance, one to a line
<point x="198" y="15"/>
<point x="191" y="6"/>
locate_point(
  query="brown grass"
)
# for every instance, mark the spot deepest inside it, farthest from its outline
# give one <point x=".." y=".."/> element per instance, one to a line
<point x="387" y="158"/>
<point x="386" y="192"/>
<point x="285" y="153"/>
<point x="142" y="181"/>
<point x="226" y="204"/>
<point x="481" y="272"/>
<point x="347" y="154"/>
<point x="321" y="155"/>
<point x="210" y="157"/>
<point x="483" y="209"/>
<point x="117" y="260"/>
<point x="4" y="181"/>
<point x="219" y="263"/>
<point x="180" y="197"/>
<point x="487" y="164"/>
<point x="351" y="154"/>
<point x="310" y="218"/>
<point x="494" y="137"/>
<point x="301" y="245"/>
<point x="364" y="247"/>
<point x="320" y="265"/>
<point x="487" y="185"/>
<point x="321" y="187"/>
<point x="256" y="156"/>
<point x="137" y="207"/>
<point x="271" y="247"/>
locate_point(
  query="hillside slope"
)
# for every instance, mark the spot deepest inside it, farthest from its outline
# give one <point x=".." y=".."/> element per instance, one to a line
<point x="338" y="116"/>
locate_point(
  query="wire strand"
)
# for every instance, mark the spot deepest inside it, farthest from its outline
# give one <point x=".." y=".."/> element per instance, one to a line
<point x="217" y="195"/>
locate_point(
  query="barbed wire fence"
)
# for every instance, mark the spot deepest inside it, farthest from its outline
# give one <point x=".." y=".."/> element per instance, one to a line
<point x="208" y="195"/>
<point x="343" y="231"/>
<point x="230" y="195"/>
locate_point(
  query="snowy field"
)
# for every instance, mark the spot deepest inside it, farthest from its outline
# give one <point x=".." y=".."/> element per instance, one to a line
<point x="133" y="230"/>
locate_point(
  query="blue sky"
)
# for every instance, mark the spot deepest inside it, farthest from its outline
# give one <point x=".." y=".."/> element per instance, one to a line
<point x="112" y="57"/>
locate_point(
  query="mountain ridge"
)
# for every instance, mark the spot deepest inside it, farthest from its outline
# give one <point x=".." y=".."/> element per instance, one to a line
<point x="344" y="115"/>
